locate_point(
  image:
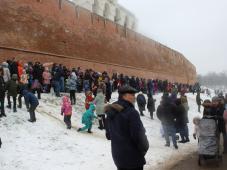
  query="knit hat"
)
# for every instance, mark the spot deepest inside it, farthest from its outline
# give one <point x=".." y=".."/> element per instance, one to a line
<point x="5" y="64"/>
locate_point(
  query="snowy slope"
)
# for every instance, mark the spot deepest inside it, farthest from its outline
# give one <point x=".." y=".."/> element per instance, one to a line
<point x="47" y="144"/>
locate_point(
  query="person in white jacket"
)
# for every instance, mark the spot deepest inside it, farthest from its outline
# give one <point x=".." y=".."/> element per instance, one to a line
<point x="99" y="101"/>
<point x="7" y="75"/>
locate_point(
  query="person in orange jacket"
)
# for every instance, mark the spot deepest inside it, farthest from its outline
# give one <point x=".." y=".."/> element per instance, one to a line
<point x="20" y="69"/>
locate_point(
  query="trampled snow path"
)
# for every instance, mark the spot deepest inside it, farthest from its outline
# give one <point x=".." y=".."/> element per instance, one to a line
<point x="46" y="144"/>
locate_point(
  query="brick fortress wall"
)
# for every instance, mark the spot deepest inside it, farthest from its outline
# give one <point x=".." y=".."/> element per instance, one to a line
<point x="58" y="31"/>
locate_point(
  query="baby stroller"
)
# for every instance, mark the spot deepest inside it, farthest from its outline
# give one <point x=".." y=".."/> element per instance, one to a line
<point x="209" y="141"/>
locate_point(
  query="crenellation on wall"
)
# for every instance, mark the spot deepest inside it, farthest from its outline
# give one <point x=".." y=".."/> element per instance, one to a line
<point x="78" y="33"/>
<point x="111" y="10"/>
<point x="110" y="28"/>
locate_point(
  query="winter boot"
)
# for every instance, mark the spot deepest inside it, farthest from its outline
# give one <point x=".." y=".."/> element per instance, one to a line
<point x="175" y="146"/>
<point x="182" y="141"/>
<point x="167" y="144"/>
<point x="2" y="114"/>
<point x="89" y="131"/>
<point x="14" y="109"/>
<point x="32" y="121"/>
<point x="151" y="114"/>
<point x="141" y="113"/>
<point x="100" y="125"/>
<point x="187" y="140"/>
<point x="79" y="130"/>
<point x="19" y="103"/>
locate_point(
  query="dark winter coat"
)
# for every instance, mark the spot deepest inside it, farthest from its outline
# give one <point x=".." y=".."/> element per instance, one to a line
<point x="141" y="101"/>
<point x="166" y="112"/>
<point x="150" y="87"/>
<point x="57" y="75"/>
<point x="30" y="99"/>
<point x="38" y="72"/>
<point x="151" y="104"/>
<point x="12" y="86"/>
<point x="13" y="68"/>
<point x="108" y="91"/>
<point x="2" y="88"/>
<point x="127" y="134"/>
<point x="181" y="116"/>
<point x="219" y="112"/>
<point x="132" y="82"/>
<point x="198" y="99"/>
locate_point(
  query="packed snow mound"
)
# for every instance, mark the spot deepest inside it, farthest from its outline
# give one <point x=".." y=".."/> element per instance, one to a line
<point x="47" y="144"/>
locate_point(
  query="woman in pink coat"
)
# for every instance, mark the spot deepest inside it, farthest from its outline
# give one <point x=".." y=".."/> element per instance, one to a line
<point x="46" y="80"/>
<point x="66" y="109"/>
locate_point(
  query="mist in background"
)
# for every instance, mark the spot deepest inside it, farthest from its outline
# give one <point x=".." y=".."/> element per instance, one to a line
<point x="196" y="28"/>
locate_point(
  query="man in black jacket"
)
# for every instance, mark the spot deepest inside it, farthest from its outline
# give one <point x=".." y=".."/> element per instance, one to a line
<point x="126" y="132"/>
<point x="218" y="109"/>
<point x="141" y="102"/>
<point x="198" y="100"/>
<point x="166" y="113"/>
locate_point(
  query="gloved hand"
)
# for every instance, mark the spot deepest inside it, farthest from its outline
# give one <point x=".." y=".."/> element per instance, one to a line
<point x="61" y="113"/>
<point x="194" y="135"/>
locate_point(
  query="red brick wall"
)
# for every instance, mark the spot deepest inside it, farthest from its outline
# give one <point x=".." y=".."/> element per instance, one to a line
<point x="85" y="39"/>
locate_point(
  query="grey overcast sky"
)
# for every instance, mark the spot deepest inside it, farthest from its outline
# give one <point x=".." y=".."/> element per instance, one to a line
<point x="196" y="28"/>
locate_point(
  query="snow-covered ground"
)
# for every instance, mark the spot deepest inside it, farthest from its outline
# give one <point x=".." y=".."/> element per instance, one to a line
<point x="48" y="145"/>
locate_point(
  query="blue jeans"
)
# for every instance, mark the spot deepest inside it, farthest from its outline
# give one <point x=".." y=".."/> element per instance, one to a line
<point x="184" y="132"/>
<point x="62" y="84"/>
<point x="86" y="85"/>
<point x="57" y="88"/>
<point x="169" y="130"/>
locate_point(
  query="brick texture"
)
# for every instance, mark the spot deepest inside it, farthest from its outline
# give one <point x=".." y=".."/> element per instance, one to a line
<point x="34" y="30"/>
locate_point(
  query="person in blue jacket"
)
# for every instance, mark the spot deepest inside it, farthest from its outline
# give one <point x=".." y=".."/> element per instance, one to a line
<point x="87" y="119"/>
<point x="126" y="131"/>
<point x="31" y="102"/>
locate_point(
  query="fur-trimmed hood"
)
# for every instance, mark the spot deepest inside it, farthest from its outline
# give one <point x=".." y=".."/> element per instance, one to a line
<point x="113" y="109"/>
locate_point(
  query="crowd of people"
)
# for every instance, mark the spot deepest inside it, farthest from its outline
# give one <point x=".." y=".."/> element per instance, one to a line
<point x="40" y="78"/>
<point x="120" y="119"/>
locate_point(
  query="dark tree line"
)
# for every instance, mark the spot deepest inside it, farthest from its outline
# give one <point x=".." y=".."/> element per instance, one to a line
<point x="213" y="79"/>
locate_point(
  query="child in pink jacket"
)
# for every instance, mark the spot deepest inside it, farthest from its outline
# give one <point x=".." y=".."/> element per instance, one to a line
<point x="66" y="109"/>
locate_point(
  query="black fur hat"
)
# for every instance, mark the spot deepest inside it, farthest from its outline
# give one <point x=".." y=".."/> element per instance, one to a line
<point x="127" y="89"/>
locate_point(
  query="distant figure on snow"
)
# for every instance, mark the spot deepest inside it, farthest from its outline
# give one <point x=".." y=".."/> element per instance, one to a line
<point x="141" y="101"/>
